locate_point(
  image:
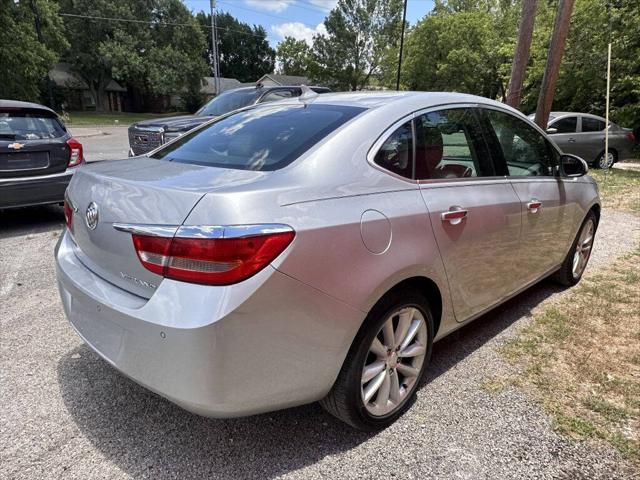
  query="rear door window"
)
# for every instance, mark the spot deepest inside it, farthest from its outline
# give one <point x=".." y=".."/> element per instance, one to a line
<point x="263" y="138"/>
<point x="29" y="125"/>
<point x="592" y="124"/>
<point x="449" y="144"/>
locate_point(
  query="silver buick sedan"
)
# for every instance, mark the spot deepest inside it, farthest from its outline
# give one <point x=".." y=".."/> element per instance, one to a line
<point x="314" y="249"/>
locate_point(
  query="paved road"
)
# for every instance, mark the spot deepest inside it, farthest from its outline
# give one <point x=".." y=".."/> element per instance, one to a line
<point x="104" y="143"/>
<point x="67" y="414"/>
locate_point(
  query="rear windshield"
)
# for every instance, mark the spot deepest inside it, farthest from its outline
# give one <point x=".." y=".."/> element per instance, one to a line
<point x="229" y="101"/>
<point x="262" y="138"/>
<point x="28" y="125"/>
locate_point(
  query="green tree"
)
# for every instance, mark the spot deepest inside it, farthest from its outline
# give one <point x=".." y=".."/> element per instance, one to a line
<point x="152" y="56"/>
<point x="294" y="57"/>
<point x="359" y="34"/>
<point x="24" y="60"/>
<point x="244" y="50"/>
<point x="459" y="51"/>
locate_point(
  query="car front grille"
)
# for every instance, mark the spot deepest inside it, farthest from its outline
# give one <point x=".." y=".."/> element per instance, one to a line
<point x="143" y="140"/>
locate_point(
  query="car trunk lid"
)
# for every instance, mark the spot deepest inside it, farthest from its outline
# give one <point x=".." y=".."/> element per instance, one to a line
<point x="139" y="191"/>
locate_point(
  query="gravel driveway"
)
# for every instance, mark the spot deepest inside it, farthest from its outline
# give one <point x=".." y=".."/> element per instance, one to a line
<point x="67" y="414"/>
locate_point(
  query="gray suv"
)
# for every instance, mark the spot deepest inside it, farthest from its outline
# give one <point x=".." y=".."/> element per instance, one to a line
<point x="150" y="134"/>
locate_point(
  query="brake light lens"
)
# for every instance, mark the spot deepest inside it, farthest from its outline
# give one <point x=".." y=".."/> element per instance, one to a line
<point x="68" y="214"/>
<point x="76" y="155"/>
<point x="219" y="261"/>
<point x="631" y="136"/>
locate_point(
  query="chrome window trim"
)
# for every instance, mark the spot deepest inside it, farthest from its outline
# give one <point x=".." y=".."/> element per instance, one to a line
<point x="203" y="231"/>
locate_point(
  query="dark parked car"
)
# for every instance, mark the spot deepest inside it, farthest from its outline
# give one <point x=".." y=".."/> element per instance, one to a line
<point x="37" y="155"/>
<point x="150" y="134"/>
<point x="582" y="134"/>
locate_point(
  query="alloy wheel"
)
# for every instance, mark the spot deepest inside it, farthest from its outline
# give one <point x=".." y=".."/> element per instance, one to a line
<point x="583" y="248"/>
<point x="606" y="161"/>
<point x="394" y="361"/>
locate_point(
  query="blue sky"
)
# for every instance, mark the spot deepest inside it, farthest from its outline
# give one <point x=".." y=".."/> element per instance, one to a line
<point x="296" y="18"/>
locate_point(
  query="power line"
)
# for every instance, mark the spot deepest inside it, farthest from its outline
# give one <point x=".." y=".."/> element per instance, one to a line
<point x="266" y="14"/>
<point x="147" y="22"/>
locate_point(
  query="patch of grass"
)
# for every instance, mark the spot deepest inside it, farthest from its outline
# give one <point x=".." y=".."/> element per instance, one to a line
<point x="581" y="357"/>
<point x="619" y="189"/>
<point x="494" y="385"/>
<point x="87" y="119"/>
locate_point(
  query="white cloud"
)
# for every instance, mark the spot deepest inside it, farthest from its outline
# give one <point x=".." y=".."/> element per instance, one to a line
<point x="299" y="31"/>
<point x="270" y="5"/>
<point x="324" y="4"/>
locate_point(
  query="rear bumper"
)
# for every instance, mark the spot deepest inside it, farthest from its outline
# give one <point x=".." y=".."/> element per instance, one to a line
<point x="268" y="343"/>
<point x="37" y="190"/>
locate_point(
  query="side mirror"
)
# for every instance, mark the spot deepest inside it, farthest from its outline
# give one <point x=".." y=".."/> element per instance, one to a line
<point x="552" y="130"/>
<point x="573" y="166"/>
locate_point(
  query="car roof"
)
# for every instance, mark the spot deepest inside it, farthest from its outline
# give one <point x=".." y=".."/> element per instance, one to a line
<point x="404" y="100"/>
<point x="269" y="87"/>
<point x="15" y="104"/>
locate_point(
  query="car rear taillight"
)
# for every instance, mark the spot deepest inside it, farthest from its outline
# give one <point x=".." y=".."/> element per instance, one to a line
<point x="631" y="136"/>
<point x="68" y="214"/>
<point x="210" y="261"/>
<point x="76" y="156"/>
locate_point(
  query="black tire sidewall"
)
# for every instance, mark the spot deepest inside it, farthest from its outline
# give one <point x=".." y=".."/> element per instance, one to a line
<point x="567" y="277"/>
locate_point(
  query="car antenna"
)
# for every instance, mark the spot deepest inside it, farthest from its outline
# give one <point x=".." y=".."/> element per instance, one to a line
<point x="307" y="95"/>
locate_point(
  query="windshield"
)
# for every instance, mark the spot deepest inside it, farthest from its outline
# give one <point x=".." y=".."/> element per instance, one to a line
<point x="28" y="125"/>
<point x="262" y="138"/>
<point x="229" y="101"/>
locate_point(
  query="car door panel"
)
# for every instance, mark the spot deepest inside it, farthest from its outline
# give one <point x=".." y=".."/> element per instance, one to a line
<point x="475" y="215"/>
<point x="478" y="250"/>
<point x="547" y="210"/>
<point x="545" y="228"/>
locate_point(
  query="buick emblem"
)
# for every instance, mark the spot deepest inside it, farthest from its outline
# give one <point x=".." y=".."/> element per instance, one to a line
<point x="91" y="216"/>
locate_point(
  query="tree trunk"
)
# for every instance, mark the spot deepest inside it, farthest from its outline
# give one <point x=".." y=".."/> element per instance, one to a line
<point x="552" y="69"/>
<point x="521" y="56"/>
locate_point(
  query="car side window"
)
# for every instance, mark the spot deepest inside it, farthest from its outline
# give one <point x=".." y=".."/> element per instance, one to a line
<point x="396" y="153"/>
<point x="565" y="125"/>
<point x="592" y="124"/>
<point x="277" y="95"/>
<point x="447" y="145"/>
<point x="525" y="150"/>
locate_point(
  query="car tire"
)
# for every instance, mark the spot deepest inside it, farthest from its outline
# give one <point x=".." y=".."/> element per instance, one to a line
<point x="600" y="163"/>
<point x="567" y="274"/>
<point x="346" y="399"/>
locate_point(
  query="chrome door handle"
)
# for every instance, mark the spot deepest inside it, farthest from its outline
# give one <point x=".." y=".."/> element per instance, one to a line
<point x="572" y="140"/>
<point x="454" y="217"/>
<point x="534" y="206"/>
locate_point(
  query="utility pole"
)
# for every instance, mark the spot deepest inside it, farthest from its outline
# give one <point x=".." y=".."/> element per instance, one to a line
<point x="214" y="49"/>
<point x="521" y="56"/>
<point x="36" y="16"/>
<point x="404" y="16"/>
<point x="554" y="59"/>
